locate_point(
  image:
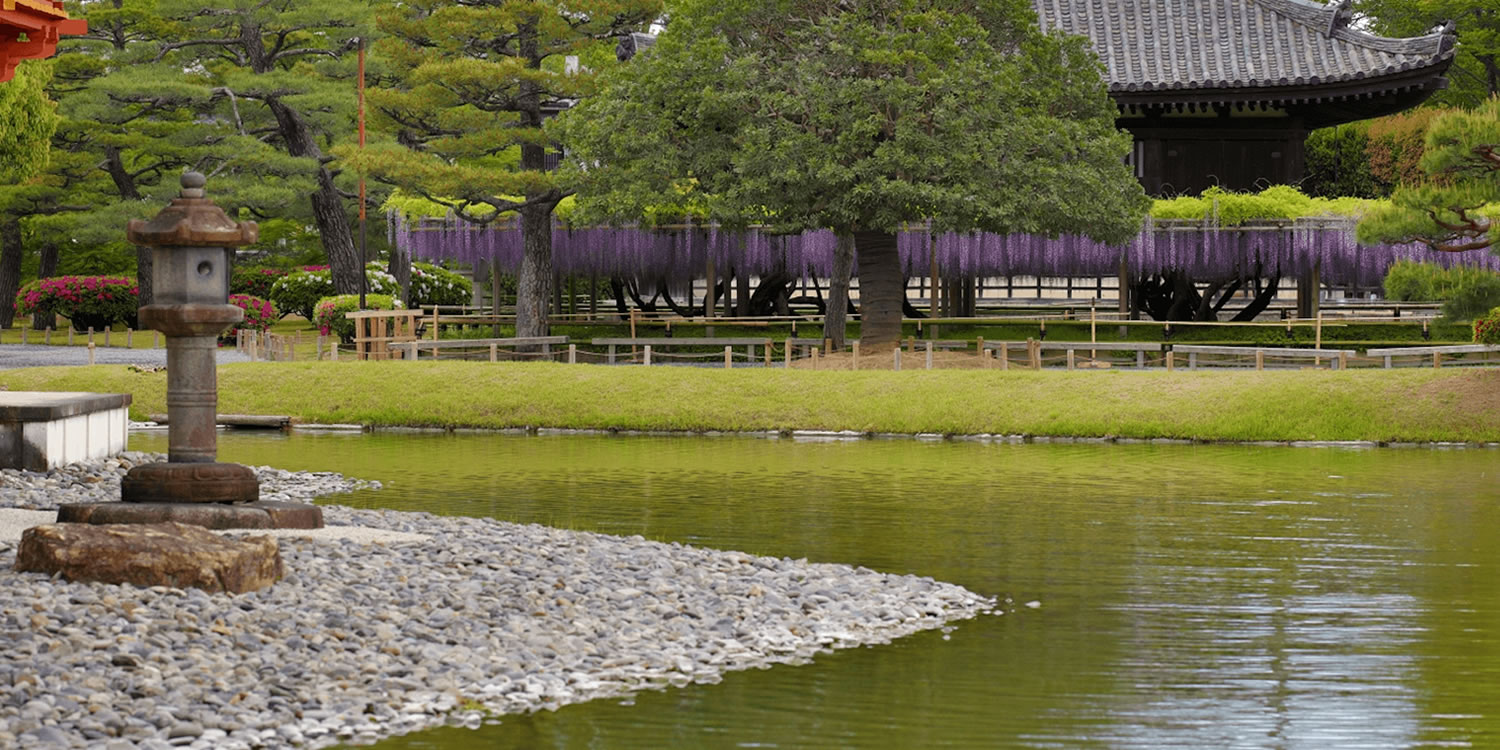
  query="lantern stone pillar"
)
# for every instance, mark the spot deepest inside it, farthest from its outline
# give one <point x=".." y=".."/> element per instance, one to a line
<point x="190" y="242"/>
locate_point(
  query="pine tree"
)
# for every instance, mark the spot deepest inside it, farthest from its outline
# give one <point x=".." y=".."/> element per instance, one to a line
<point x="1453" y="210"/>
<point x="469" y="86"/>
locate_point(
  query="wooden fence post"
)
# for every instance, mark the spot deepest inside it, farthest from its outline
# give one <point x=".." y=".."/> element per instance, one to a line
<point x="1318" y="334"/>
<point x="786" y="353"/>
<point x="1437" y="360"/>
<point x="106" y="336"/>
<point x="815" y="358"/>
<point x="320" y="348"/>
<point x="648" y="355"/>
<point x="1003" y="352"/>
<point x="572" y="354"/>
<point x="1171" y="360"/>
<point x="929" y="354"/>
<point x="91" y="352"/>
<point x="1071" y="357"/>
<point x="494" y="353"/>
<point x="854" y="347"/>
<point x="728" y="358"/>
<point x="1343" y="360"/>
<point x="1260" y="359"/>
<point x="896" y="361"/>
<point x="984" y="357"/>
<point x="129" y="338"/>
<point x="91" y="335"/>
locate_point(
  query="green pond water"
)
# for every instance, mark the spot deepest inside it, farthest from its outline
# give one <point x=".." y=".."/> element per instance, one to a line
<point x="1191" y="596"/>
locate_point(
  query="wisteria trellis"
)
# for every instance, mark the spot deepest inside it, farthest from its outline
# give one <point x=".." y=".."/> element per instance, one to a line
<point x="679" y="254"/>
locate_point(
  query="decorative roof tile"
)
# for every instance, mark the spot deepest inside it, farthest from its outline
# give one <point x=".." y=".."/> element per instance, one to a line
<point x="1155" y="45"/>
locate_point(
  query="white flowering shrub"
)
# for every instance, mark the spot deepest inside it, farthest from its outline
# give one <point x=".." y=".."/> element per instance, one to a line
<point x="299" y="292"/>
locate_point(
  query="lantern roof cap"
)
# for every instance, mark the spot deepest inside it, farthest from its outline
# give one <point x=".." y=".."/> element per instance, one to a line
<point x="192" y="220"/>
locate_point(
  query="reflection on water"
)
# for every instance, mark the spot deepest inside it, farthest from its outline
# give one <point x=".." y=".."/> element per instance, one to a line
<point x="1192" y="596"/>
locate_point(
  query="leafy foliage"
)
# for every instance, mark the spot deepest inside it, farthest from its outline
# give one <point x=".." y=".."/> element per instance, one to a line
<point x="1487" y="328"/>
<point x="1450" y="210"/>
<point x="1338" y="163"/>
<point x="1464" y="292"/>
<point x="27" y="121"/>
<point x="331" y="310"/>
<point x="1276" y="202"/>
<point x="1475" y="74"/>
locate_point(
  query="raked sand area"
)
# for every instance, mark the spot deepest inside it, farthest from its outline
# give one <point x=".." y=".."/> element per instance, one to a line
<point x="391" y="622"/>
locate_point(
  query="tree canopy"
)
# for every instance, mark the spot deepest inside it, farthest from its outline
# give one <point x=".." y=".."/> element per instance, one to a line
<point x="466" y="90"/>
<point x="1475" y="74"/>
<point x="1452" y="209"/>
<point x="860" y="118"/>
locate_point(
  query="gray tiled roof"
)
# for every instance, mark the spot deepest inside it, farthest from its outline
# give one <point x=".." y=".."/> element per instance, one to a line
<point x="1150" y="45"/>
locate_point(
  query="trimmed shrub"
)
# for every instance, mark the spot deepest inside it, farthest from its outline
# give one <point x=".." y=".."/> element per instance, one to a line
<point x="300" y="292"/>
<point x="434" y="285"/>
<point x="1465" y="292"/>
<point x="255" y="281"/>
<point x="96" y="302"/>
<point x="1487" y="328"/>
<point x="259" y="314"/>
<point x="330" y="319"/>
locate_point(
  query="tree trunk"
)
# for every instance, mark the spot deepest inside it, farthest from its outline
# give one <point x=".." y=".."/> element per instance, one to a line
<point x="10" y="267"/>
<point x="882" y="290"/>
<point x="838" y="291"/>
<point x="45" y="318"/>
<point x="401" y="269"/>
<point x="534" y="285"/>
<point x="327" y="204"/>
<point x="143" y="270"/>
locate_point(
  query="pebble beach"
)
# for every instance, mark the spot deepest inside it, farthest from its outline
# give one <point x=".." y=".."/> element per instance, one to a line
<point x="438" y="620"/>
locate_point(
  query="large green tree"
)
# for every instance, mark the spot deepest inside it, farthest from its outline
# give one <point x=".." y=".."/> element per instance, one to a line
<point x="863" y="117"/>
<point x="1452" y="210"/>
<point x="1475" y="74"/>
<point x="469" y="84"/>
<point x="27" y="122"/>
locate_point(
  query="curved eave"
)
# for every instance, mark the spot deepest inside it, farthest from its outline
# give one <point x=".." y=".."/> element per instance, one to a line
<point x="1322" y="103"/>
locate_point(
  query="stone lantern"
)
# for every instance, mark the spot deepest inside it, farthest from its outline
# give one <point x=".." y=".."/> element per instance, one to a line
<point x="191" y="241"/>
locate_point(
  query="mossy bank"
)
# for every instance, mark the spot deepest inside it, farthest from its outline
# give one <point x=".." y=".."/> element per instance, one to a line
<point x="1420" y="405"/>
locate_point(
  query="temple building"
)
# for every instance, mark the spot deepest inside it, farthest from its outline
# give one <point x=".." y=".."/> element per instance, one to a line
<point x="40" y="22"/>
<point x="1224" y="92"/>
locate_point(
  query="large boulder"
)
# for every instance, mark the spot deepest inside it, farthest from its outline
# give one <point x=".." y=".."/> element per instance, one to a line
<point x="164" y="554"/>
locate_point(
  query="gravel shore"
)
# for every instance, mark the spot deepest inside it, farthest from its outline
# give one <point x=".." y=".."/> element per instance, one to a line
<point x="364" y="641"/>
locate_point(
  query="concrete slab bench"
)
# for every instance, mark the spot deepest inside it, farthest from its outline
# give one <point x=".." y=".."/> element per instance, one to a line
<point x="44" y="430"/>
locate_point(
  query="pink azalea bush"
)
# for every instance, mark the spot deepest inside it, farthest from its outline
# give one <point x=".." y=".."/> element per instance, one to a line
<point x="259" y="314"/>
<point x="86" y="301"/>
<point x="329" y="314"/>
<point x="1487" y="328"/>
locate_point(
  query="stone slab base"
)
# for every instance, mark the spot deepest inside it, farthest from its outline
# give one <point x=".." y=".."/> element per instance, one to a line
<point x="45" y="430"/>
<point x="151" y="555"/>
<point x="190" y="483"/>
<point x="264" y="514"/>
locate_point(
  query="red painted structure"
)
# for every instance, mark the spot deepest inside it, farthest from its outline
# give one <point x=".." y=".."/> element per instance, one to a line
<point x="41" y="22"/>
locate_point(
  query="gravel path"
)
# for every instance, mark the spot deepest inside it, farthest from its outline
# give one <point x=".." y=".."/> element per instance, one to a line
<point x="37" y="355"/>
<point x="363" y="641"/>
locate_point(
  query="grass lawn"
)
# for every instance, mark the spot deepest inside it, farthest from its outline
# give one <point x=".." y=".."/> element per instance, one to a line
<point x="1385" y="405"/>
